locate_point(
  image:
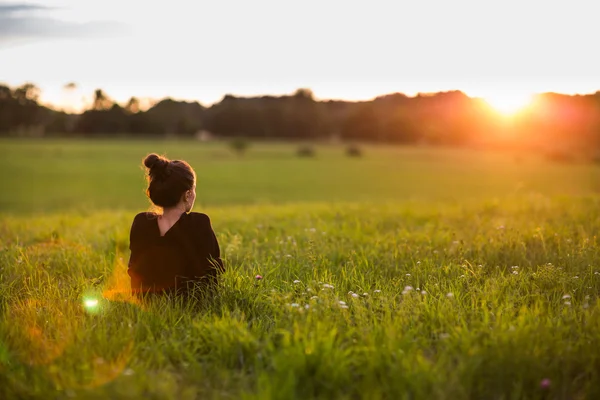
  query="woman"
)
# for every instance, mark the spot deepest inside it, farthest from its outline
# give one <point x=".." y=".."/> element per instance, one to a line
<point x="173" y="250"/>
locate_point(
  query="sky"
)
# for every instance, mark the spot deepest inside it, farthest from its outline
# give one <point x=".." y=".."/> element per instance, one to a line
<point x="201" y="50"/>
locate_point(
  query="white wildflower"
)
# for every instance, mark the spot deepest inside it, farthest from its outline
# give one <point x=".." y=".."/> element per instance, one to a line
<point x="376" y="291"/>
<point x="306" y="306"/>
<point x="365" y="294"/>
<point x="343" y="306"/>
<point x="423" y="292"/>
<point x="567" y="303"/>
<point x="314" y="297"/>
<point x="342" y="303"/>
<point x="294" y="305"/>
<point x="355" y="295"/>
<point x="327" y="286"/>
<point x="296" y="281"/>
<point x="450" y="295"/>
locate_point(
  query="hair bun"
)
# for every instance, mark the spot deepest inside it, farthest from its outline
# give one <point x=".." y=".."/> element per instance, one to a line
<point x="155" y="163"/>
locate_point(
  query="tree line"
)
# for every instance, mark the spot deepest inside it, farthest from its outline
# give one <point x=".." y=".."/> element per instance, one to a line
<point x="445" y="118"/>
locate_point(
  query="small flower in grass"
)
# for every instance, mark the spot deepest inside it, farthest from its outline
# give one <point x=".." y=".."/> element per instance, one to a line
<point x="545" y="384"/>
<point x="288" y="256"/>
<point x="294" y="305"/>
<point x="128" y="372"/>
<point x="515" y="272"/>
<point x="566" y="296"/>
<point x="514" y="267"/>
<point x="423" y="292"/>
<point x="417" y="289"/>
<point x="350" y="292"/>
<point x="343" y="306"/>
<point x="575" y="277"/>
<point x="418" y="262"/>
<point x="355" y="295"/>
<point x="327" y="286"/>
<point x="596" y="273"/>
<point x="450" y="295"/>
<point x="407" y="290"/>
<point x="306" y="306"/>
<point x="296" y="282"/>
<point x="314" y="297"/>
<point x="376" y="291"/>
<point x="365" y="294"/>
<point x="258" y="277"/>
<point x="567" y="303"/>
<point x="342" y="303"/>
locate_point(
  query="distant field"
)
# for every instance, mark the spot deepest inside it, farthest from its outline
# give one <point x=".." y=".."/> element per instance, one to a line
<point x="41" y="176"/>
<point x="405" y="274"/>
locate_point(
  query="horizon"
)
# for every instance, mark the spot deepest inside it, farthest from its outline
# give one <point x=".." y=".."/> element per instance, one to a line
<point x="503" y="52"/>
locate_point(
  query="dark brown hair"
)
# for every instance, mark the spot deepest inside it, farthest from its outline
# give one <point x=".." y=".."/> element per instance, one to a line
<point x="167" y="180"/>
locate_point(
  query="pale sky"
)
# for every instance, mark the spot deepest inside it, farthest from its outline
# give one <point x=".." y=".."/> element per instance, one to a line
<point x="201" y="50"/>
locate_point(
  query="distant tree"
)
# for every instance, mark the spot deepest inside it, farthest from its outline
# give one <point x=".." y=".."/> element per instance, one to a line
<point x="239" y="145"/>
<point x="27" y="93"/>
<point x="133" y="105"/>
<point x="101" y="101"/>
<point x="304" y="93"/>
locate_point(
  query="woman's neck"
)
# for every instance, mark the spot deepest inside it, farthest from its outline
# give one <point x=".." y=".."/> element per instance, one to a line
<point x="173" y="213"/>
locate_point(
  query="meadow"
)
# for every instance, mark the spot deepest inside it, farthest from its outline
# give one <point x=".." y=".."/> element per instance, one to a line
<point x="408" y="273"/>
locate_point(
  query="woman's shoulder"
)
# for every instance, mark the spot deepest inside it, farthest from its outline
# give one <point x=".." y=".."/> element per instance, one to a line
<point x="199" y="218"/>
<point x="143" y="218"/>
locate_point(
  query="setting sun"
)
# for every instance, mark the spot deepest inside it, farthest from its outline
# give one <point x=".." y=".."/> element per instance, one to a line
<point x="509" y="103"/>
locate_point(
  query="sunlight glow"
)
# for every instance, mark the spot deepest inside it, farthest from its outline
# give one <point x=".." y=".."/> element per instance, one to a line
<point x="90" y="303"/>
<point x="509" y="103"/>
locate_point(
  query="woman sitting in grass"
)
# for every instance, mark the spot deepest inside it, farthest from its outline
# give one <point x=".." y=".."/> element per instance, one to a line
<point x="175" y="250"/>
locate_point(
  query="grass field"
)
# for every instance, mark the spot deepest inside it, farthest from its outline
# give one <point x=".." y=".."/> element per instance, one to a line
<point x="404" y="274"/>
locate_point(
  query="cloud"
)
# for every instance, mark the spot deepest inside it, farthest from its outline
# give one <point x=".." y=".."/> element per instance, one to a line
<point x="13" y="8"/>
<point x="16" y="25"/>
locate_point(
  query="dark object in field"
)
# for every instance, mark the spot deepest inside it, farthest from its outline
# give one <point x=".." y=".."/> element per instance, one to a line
<point x="239" y="145"/>
<point x="561" y="156"/>
<point x="306" y="151"/>
<point x="186" y="255"/>
<point x="354" y="151"/>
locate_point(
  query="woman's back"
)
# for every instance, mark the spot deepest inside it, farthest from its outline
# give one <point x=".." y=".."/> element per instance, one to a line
<point x="188" y="251"/>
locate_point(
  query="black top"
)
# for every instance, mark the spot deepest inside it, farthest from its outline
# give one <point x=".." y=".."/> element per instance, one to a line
<point x="188" y="252"/>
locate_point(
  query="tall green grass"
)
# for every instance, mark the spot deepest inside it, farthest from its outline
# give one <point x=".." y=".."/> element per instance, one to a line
<point x="443" y="294"/>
